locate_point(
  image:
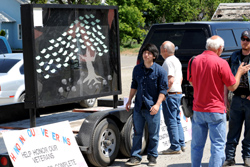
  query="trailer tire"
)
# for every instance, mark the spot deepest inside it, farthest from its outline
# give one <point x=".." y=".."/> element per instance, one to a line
<point x="127" y="134"/>
<point x="105" y="143"/>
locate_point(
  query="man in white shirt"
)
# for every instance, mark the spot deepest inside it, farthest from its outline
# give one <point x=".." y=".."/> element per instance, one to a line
<point x="171" y="106"/>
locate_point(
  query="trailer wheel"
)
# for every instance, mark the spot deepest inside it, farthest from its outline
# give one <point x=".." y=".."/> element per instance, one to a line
<point x="105" y="143"/>
<point x="127" y="134"/>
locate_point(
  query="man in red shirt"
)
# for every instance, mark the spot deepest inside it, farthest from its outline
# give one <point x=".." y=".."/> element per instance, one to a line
<point x="209" y="74"/>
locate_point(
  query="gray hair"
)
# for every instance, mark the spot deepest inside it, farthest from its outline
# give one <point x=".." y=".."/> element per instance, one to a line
<point x="214" y="44"/>
<point x="170" y="47"/>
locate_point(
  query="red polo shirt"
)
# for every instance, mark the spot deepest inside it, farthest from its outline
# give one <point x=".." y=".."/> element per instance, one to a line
<point x="209" y="74"/>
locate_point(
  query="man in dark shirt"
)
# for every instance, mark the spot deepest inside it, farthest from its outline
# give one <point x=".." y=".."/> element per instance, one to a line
<point x="240" y="106"/>
<point x="150" y="84"/>
<point x="243" y="88"/>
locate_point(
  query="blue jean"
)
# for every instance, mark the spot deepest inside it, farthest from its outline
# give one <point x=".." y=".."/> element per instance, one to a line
<point x="139" y="119"/>
<point x="216" y="124"/>
<point x="171" y="112"/>
<point x="239" y="112"/>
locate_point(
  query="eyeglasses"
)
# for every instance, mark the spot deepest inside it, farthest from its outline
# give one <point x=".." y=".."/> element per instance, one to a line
<point x="245" y="39"/>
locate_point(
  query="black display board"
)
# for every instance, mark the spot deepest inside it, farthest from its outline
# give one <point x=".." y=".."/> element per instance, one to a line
<point x="71" y="53"/>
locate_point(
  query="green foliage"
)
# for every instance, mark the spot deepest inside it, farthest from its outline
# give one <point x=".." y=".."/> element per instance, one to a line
<point x="82" y="2"/>
<point x="131" y="20"/>
<point x="2" y="33"/>
<point x="131" y="23"/>
<point x="245" y="18"/>
<point x="39" y="1"/>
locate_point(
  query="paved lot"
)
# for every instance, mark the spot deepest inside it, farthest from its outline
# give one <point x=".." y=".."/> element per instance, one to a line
<point x="181" y="160"/>
<point x="127" y="64"/>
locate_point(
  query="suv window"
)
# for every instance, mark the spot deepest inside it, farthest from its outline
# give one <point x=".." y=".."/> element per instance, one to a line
<point x="228" y="37"/>
<point x="3" y="48"/>
<point x="7" y="64"/>
<point x="196" y="37"/>
<point x="231" y="36"/>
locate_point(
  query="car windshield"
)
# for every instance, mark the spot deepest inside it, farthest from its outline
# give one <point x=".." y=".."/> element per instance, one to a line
<point x="7" y="64"/>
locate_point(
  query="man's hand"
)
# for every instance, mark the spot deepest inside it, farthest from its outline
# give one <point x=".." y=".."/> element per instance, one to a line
<point x="243" y="69"/>
<point x="154" y="110"/>
<point x="248" y="97"/>
<point x="128" y="105"/>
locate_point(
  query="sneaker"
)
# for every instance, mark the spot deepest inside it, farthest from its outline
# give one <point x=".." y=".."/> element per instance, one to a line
<point x="246" y="161"/>
<point x="170" y="151"/>
<point x="230" y="162"/>
<point x="133" y="161"/>
<point x="152" y="160"/>
<point x="183" y="148"/>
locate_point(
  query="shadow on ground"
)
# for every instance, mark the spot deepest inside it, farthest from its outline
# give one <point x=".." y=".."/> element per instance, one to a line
<point x="187" y="165"/>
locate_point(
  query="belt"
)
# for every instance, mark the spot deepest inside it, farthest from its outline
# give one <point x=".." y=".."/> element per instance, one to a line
<point x="174" y="93"/>
<point x="243" y="96"/>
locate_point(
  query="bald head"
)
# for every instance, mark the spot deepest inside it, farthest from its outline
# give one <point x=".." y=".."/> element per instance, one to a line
<point x="167" y="49"/>
<point x="169" y="46"/>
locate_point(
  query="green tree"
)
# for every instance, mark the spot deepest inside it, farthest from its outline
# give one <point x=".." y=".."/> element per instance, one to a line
<point x="2" y="33"/>
<point x="131" y="24"/>
<point x="39" y="1"/>
<point x="82" y="2"/>
<point x="171" y="11"/>
<point x="131" y="20"/>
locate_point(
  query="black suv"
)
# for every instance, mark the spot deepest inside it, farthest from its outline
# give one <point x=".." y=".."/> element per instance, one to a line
<point x="190" y="39"/>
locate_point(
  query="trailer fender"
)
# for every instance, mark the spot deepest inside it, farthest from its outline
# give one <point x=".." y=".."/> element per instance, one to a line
<point x="89" y="124"/>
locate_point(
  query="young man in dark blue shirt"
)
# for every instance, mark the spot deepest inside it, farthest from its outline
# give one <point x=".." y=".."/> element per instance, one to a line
<point x="150" y="84"/>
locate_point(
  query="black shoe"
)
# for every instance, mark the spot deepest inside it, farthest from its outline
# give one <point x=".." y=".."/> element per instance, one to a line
<point x="133" y="161"/>
<point x="246" y="161"/>
<point x="230" y="162"/>
<point x="151" y="160"/>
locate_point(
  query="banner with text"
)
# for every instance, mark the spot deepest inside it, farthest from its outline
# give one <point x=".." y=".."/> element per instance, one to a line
<point x="164" y="142"/>
<point x="51" y="145"/>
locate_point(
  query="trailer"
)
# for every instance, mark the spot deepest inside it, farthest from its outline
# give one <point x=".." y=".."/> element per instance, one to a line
<point x="71" y="53"/>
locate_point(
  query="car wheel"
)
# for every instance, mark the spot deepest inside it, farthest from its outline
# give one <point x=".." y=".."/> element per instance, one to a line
<point x="21" y="98"/>
<point x="127" y="135"/>
<point x="105" y="143"/>
<point x="88" y="102"/>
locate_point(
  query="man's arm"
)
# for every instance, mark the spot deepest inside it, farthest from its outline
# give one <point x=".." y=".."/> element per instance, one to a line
<point x="155" y="108"/>
<point x="131" y="95"/>
<point x="226" y="97"/>
<point x="170" y="82"/>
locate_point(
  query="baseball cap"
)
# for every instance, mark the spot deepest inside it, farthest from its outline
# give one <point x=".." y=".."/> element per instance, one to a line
<point x="246" y="33"/>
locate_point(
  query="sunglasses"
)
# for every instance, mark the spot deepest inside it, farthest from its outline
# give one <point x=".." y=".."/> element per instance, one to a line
<point x="245" y="39"/>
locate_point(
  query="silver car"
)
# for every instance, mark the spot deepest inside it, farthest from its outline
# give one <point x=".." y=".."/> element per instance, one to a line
<point x="12" y="88"/>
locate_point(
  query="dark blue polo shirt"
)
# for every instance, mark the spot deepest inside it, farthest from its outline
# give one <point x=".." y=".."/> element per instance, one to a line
<point x="149" y="83"/>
